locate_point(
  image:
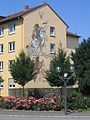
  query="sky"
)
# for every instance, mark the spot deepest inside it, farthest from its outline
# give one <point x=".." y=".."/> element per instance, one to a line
<point x="76" y="13"/>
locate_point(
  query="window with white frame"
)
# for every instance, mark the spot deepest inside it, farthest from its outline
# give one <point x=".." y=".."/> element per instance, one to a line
<point x="1" y="65"/>
<point x="10" y="64"/>
<point x="11" y="83"/>
<point x="11" y="28"/>
<point x="52" y="31"/>
<point x="1" y="31"/>
<point x="1" y="48"/>
<point x="11" y="46"/>
<point x="52" y="48"/>
<point x="1" y="84"/>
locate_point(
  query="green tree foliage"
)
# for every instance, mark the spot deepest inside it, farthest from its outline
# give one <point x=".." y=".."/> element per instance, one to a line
<point x="81" y="60"/>
<point x="23" y="70"/>
<point x="52" y="75"/>
<point x="1" y="79"/>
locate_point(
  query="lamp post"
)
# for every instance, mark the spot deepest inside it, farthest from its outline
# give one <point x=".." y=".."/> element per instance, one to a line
<point x="65" y="79"/>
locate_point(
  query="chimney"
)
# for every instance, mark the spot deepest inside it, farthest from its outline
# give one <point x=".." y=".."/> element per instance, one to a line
<point x="26" y="7"/>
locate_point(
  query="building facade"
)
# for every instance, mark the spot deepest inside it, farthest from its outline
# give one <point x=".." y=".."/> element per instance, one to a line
<point x="39" y="31"/>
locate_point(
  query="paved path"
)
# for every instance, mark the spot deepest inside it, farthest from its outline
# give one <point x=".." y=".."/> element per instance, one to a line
<point x="44" y="115"/>
<point x="13" y="117"/>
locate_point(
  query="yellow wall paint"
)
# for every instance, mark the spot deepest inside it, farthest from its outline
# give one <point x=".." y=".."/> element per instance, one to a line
<point x="71" y="44"/>
<point x="6" y="56"/>
<point x="60" y="35"/>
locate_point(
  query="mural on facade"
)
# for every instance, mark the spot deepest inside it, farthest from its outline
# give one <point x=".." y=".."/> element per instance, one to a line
<point x="38" y="42"/>
<point x="39" y="39"/>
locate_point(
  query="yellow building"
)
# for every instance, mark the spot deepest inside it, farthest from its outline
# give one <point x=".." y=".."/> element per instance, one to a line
<point x="19" y="31"/>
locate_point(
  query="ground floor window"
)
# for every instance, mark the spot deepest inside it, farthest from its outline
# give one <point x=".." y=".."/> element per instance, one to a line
<point x="1" y="84"/>
<point x="11" y="83"/>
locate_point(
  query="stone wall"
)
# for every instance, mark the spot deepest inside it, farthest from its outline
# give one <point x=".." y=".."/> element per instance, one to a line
<point x="39" y="92"/>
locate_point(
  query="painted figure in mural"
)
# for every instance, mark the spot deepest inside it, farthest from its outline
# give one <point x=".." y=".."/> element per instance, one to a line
<point x="38" y="37"/>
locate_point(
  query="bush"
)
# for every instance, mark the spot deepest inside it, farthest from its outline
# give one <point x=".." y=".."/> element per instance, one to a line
<point x="87" y="102"/>
<point x="31" y="103"/>
<point x="76" y="101"/>
<point x="59" y="107"/>
<point x="1" y="102"/>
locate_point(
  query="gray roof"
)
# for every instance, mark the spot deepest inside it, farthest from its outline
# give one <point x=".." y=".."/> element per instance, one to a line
<point x="72" y="34"/>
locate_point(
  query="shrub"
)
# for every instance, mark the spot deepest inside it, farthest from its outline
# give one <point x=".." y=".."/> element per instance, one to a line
<point x="1" y="102"/>
<point x="59" y="107"/>
<point x="28" y="104"/>
<point x="76" y="101"/>
<point x="87" y="102"/>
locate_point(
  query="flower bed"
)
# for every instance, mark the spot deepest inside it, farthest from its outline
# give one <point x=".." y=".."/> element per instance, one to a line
<point x="31" y="103"/>
<point x="75" y="101"/>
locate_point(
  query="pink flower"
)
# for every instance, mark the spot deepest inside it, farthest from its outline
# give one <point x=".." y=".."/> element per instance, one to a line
<point x="23" y="101"/>
<point x="18" y="98"/>
<point x="41" y="100"/>
<point x="32" y="98"/>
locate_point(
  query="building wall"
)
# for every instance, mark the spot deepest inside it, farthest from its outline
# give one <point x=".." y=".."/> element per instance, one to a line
<point x="23" y="37"/>
<point x="60" y="36"/>
<point x="6" y="56"/>
<point x="72" y="43"/>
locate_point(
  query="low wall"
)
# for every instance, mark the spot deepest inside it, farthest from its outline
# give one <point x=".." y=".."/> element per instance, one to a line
<point x="40" y="92"/>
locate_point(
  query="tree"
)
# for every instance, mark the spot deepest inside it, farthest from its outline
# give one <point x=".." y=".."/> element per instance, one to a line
<point x="63" y="61"/>
<point x="23" y="70"/>
<point x="81" y="59"/>
<point x="1" y="79"/>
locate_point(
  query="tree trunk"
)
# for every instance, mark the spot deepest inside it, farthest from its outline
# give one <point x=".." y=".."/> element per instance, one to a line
<point x="23" y="92"/>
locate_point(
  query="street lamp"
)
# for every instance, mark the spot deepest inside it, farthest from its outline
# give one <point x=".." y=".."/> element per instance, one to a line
<point x="65" y="79"/>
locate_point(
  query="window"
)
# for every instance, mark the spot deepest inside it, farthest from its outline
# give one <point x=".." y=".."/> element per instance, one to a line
<point x="52" y="48"/>
<point x="11" y="83"/>
<point x="1" y="31"/>
<point x="1" y="48"/>
<point x="11" y="46"/>
<point x="52" y="31"/>
<point x="10" y="63"/>
<point x="1" y="65"/>
<point x="11" y="28"/>
<point x="1" y="84"/>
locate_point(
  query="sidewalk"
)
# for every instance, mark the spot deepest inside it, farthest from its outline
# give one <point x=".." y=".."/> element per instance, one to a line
<point x="41" y="113"/>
